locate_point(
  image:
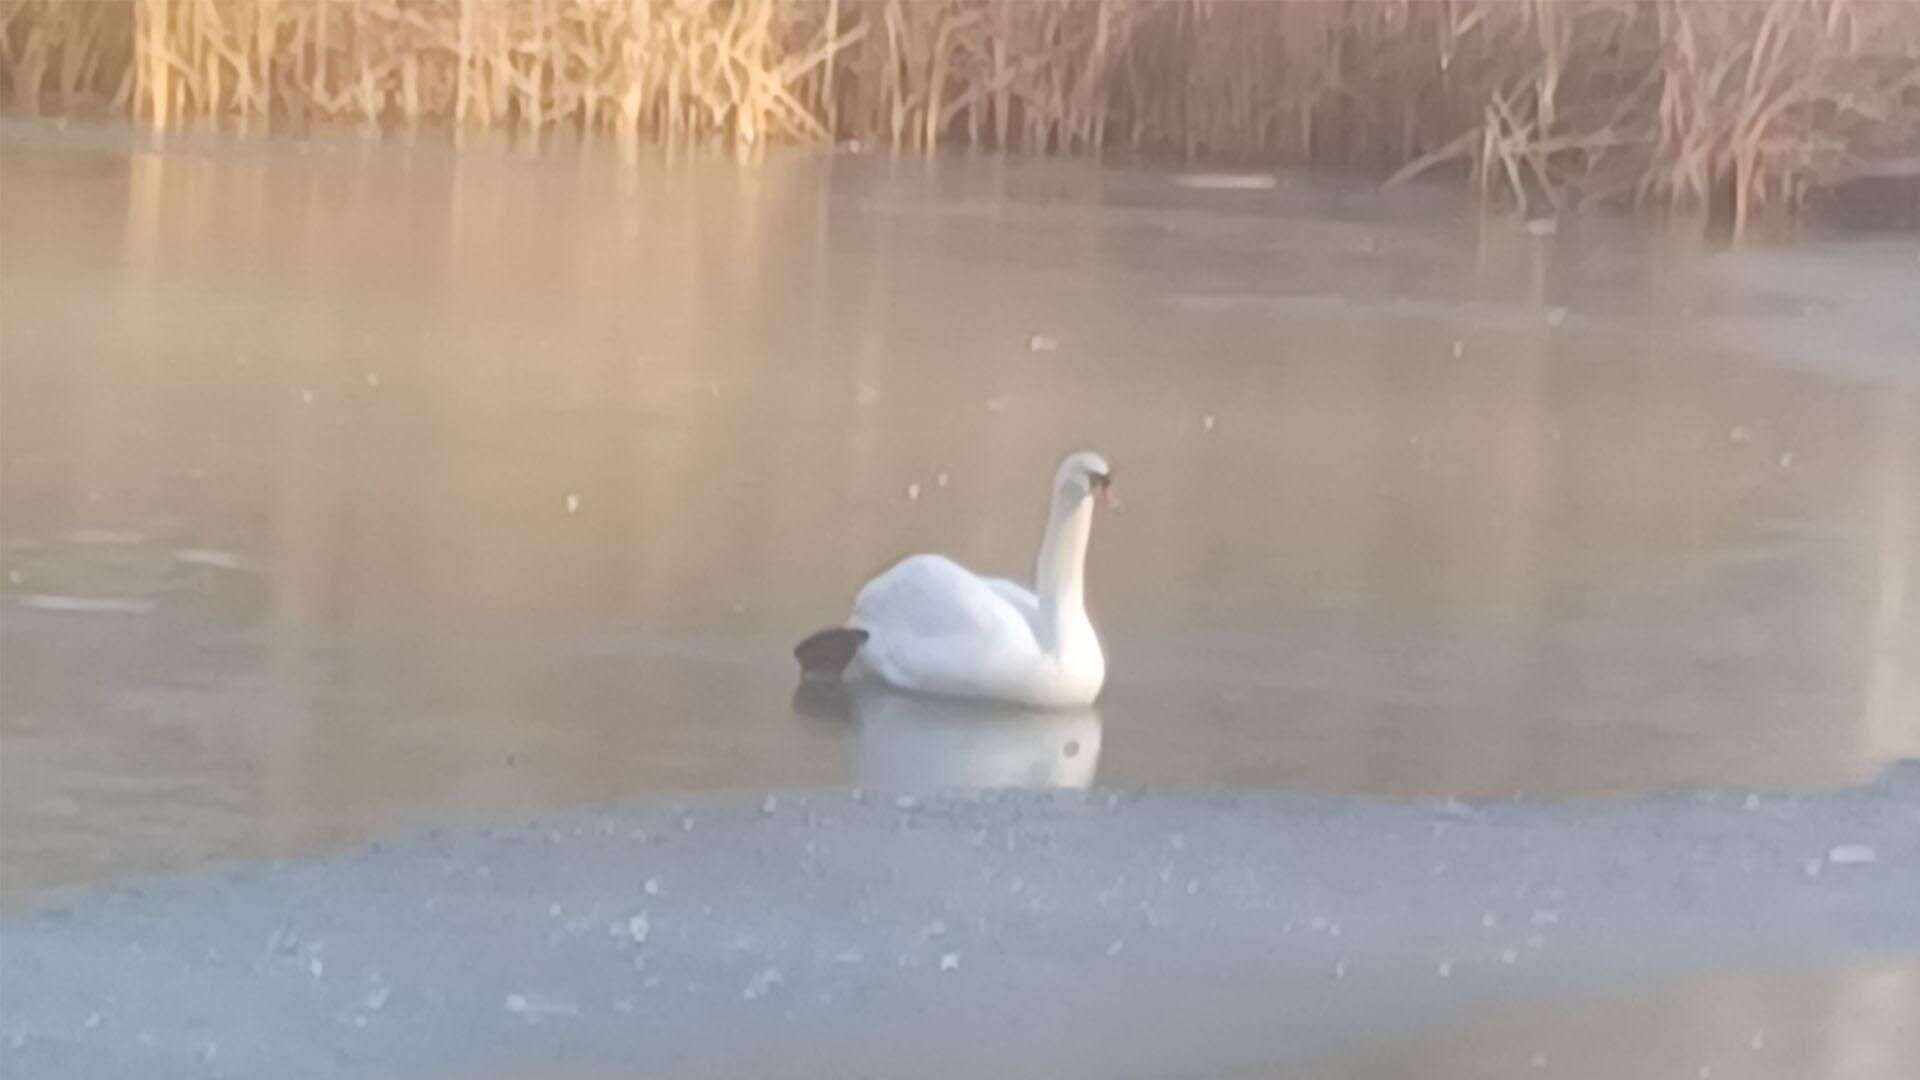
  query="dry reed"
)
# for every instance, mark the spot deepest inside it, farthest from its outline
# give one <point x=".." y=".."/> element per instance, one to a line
<point x="1682" y="103"/>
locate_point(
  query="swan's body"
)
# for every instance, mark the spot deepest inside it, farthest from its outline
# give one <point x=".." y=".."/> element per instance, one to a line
<point x="930" y="625"/>
<point x="938" y="628"/>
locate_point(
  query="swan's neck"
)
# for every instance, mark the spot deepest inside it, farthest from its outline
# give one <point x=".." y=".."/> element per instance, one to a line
<point x="1060" y="578"/>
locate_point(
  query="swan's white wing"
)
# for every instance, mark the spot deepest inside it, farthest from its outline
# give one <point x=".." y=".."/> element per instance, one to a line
<point x="1021" y="597"/>
<point x="937" y="627"/>
<point x="931" y="596"/>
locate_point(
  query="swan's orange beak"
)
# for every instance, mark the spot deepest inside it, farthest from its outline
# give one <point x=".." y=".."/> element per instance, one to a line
<point x="1103" y="491"/>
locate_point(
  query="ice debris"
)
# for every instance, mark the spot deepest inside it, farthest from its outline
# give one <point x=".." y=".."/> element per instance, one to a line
<point x="762" y="981"/>
<point x="528" y="1006"/>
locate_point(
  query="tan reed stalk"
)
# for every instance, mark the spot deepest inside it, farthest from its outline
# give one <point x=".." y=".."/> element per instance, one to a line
<point x="1685" y="104"/>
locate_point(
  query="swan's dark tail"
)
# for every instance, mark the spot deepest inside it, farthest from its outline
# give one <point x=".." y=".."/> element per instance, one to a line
<point x="825" y="655"/>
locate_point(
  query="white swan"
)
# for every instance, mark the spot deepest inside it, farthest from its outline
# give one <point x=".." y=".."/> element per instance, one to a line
<point x="930" y="625"/>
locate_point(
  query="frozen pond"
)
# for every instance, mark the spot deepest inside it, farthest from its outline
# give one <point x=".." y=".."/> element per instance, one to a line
<point x="354" y="487"/>
<point x="419" y="484"/>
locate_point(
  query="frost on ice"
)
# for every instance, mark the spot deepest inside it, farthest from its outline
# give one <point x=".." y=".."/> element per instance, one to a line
<point x="761" y="982"/>
<point x="1846" y="854"/>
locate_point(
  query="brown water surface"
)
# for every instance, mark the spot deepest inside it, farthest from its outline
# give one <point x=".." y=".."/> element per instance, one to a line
<point x="397" y="483"/>
<point x="1855" y="1024"/>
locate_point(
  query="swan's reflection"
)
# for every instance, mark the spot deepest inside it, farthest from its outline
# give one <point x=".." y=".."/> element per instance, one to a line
<point x="905" y="742"/>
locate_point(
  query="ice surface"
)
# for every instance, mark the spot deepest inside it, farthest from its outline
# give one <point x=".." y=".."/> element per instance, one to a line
<point x="761" y="959"/>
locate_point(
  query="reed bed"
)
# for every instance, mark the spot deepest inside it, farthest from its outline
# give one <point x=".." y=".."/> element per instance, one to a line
<point x="1739" y="106"/>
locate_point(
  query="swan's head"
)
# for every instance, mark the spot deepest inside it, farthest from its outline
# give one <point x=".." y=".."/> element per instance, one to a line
<point x="1083" y="475"/>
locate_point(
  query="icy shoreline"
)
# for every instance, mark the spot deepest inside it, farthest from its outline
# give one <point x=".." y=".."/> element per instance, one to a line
<point x="1006" y="934"/>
